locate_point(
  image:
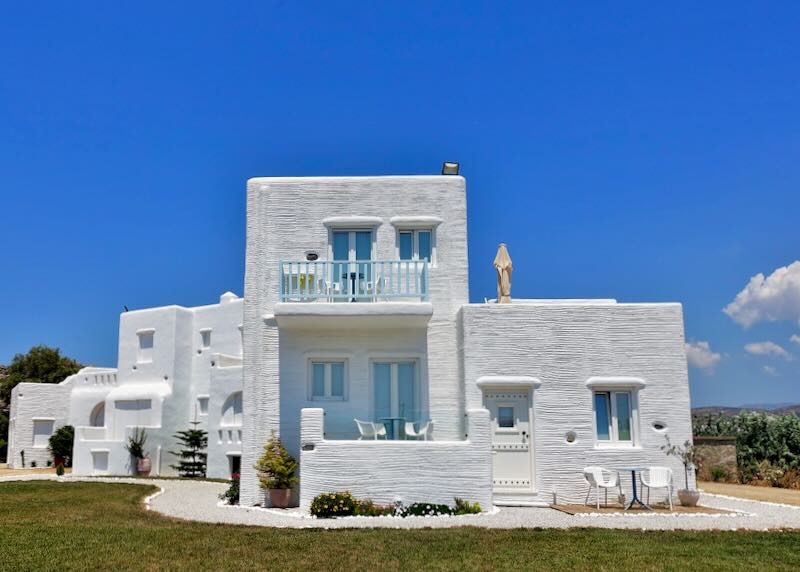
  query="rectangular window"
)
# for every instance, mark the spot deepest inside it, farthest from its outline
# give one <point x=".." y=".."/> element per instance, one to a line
<point x="395" y="391"/>
<point x="205" y="338"/>
<point x="613" y="413"/>
<point x="505" y="417"/>
<point x="202" y="405"/>
<point x="415" y="245"/>
<point x="146" y="344"/>
<point x="42" y="430"/>
<point x="327" y="380"/>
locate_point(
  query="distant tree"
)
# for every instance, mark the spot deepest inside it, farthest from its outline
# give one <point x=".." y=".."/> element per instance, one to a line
<point x="192" y="456"/>
<point x="41" y="364"/>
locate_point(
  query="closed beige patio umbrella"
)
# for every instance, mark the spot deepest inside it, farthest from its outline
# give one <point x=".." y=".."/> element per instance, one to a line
<point x="502" y="262"/>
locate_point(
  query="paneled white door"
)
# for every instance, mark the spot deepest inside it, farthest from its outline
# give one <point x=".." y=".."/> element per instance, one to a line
<point x="512" y="448"/>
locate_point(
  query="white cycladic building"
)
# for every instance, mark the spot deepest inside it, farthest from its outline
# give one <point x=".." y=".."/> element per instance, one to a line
<point x="356" y="308"/>
<point x="176" y="365"/>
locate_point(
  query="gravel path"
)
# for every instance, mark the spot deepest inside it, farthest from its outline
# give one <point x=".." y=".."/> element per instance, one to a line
<point x="198" y="501"/>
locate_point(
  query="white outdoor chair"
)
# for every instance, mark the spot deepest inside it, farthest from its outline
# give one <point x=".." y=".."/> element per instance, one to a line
<point x="329" y="290"/>
<point x="370" y="430"/>
<point x="423" y="432"/>
<point x="376" y="289"/>
<point x="658" y="478"/>
<point x="599" y="478"/>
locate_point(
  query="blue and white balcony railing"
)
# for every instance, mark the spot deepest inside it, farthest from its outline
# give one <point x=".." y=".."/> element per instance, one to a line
<point x="354" y="281"/>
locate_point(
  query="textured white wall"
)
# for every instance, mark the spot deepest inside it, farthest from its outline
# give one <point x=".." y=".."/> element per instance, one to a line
<point x="179" y="362"/>
<point x="565" y="345"/>
<point x="223" y="441"/>
<point x="284" y="220"/>
<point x="357" y="348"/>
<point x="28" y="401"/>
<point x="385" y="471"/>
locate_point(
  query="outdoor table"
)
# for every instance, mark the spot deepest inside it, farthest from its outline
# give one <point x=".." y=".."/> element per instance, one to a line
<point x="635" y="498"/>
<point x="353" y="276"/>
<point x="389" y="422"/>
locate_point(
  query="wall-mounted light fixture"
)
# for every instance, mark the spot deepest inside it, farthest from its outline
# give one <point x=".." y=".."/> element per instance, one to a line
<point x="449" y="168"/>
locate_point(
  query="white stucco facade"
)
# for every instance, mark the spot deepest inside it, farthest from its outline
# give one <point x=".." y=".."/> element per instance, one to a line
<point x="176" y="365"/>
<point x="356" y="308"/>
<point x="564" y="383"/>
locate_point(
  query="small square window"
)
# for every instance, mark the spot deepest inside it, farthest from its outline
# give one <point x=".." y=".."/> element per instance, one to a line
<point x="42" y="430"/>
<point x="327" y="380"/>
<point x="146" y="344"/>
<point x="202" y="405"/>
<point x="505" y="417"/>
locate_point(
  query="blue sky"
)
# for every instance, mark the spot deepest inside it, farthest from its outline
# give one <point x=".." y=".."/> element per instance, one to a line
<point x="645" y="153"/>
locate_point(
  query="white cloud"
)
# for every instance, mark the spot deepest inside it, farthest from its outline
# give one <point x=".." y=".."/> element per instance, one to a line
<point x="699" y="355"/>
<point x="795" y="338"/>
<point x="767" y="349"/>
<point x="769" y="370"/>
<point x="770" y="299"/>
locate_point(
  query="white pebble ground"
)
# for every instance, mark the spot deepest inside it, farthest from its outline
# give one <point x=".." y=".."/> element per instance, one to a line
<point x="198" y="501"/>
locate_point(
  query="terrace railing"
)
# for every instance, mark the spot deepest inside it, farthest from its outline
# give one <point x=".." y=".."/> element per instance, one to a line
<point x="354" y="281"/>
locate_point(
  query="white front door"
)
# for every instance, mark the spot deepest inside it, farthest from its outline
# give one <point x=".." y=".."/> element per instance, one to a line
<point x="512" y="448"/>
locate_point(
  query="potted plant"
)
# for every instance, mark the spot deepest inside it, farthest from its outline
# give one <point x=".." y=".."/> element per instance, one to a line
<point x="135" y="447"/>
<point x="60" y="446"/>
<point x="689" y="457"/>
<point x="277" y="472"/>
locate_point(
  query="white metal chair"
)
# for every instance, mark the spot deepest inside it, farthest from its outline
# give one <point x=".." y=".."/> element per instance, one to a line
<point x="423" y="432"/>
<point x="370" y="430"/>
<point x="599" y="478"/>
<point x="329" y="290"/>
<point x="658" y="478"/>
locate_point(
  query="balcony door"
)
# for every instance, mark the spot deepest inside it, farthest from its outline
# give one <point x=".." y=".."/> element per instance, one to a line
<point x="395" y="394"/>
<point x="352" y="251"/>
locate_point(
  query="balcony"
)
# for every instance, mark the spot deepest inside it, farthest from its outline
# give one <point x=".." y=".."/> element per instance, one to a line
<point x="354" y="281"/>
<point x="331" y="295"/>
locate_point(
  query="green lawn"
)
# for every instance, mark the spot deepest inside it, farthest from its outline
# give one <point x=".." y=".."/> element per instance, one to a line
<point x="96" y="526"/>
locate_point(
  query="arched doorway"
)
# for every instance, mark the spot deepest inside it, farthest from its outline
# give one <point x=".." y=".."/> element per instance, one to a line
<point x="97" y="418"/>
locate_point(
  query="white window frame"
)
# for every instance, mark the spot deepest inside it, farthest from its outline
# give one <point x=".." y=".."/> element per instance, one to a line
<point x="145" y="354"/>
<point x="328" y="380"/>
<point x="40" y="420"/>
<point x="415" y="242"/>
<point x="200" y="399"/>
<point x="205" y="338"/>
<point x="633" y="402"/>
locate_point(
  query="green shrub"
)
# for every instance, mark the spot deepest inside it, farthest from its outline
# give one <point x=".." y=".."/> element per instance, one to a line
<point x="60" y="470"/>
<point x="328" y="505"/>
<point x="370" y="508"/>
<point x="231" y="496"/>
<point x="426" y="509"/>
<point x="719" y="474"/>
<point x="466" y="507"/>
<point x="759" y="437"/>
<point x="60" y="445"/>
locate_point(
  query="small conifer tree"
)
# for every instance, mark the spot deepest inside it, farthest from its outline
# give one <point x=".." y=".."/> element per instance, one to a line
<point x="276" y="468"/>
<point x="192" y="456"/>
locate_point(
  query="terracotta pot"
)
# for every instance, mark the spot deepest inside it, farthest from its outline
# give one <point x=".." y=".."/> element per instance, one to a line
<point x="279" y="498"/>
<point x="143" y="467"/>
<point x="688" y="498"/>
